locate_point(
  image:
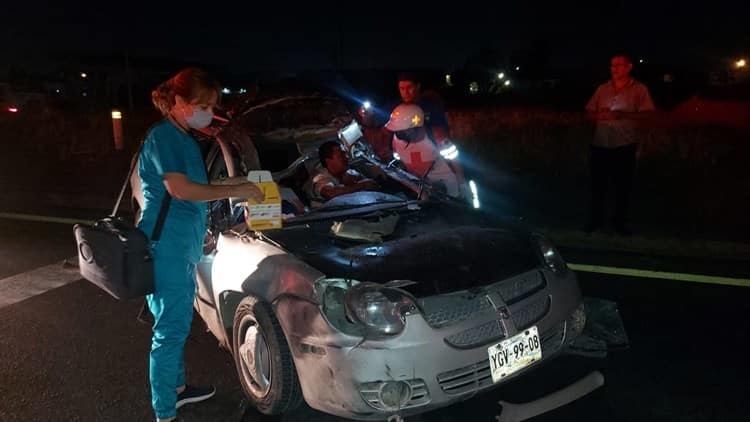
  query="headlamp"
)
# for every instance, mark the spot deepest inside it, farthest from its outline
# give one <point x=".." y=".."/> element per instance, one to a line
<point x="382" y="310"/>
<point x="449" y="152"/>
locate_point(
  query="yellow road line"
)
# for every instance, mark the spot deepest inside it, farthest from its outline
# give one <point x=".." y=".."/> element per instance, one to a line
<point x="634" y="272"/>
<point x="43" y="218"/>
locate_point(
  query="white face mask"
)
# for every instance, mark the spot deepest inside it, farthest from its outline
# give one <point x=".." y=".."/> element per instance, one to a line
<point x="200" y="118"/>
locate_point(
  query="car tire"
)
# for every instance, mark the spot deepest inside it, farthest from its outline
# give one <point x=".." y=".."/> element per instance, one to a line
<point x="263" y="359"/>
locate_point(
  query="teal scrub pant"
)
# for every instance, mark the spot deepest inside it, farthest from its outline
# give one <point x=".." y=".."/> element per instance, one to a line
<point x="172" y="307"/>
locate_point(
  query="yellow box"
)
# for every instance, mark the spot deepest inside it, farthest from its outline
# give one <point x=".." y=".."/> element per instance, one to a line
<point x="266" y="214"/>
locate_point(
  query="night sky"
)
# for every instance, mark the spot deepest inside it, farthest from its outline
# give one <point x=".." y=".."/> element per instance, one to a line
<point x="389" y="36"/>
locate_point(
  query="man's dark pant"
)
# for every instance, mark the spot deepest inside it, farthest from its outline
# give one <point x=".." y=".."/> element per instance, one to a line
<point x="613" y="167"/>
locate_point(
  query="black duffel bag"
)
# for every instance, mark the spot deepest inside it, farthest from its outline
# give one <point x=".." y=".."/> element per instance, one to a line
<point x="115" y="255"/>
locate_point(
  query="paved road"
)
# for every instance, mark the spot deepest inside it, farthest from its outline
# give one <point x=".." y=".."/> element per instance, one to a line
<point x="74" y="354"/>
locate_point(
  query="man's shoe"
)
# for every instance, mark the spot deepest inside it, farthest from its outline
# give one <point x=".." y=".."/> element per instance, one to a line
<point x="194" y="394"/>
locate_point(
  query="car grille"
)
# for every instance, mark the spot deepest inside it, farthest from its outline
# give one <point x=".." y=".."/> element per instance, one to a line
<point x="477" y="336"/>
<point x="477" y="376"/>
<point x="528" y="314"/>
<point x="445" y="310"/>
<point x="522" y="286"/>
<point x="419" y="394"/>
<point x="441" y="311"/>
<point x="523" y="317"/>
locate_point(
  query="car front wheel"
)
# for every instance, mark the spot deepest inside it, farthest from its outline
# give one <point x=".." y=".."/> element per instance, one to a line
<point x="263" y="360"/>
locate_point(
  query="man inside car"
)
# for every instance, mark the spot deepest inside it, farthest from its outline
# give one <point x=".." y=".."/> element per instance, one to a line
<point x="334" y="177"/>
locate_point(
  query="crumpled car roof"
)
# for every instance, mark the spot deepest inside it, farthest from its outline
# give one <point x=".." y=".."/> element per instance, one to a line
<point x="290" y="113"/>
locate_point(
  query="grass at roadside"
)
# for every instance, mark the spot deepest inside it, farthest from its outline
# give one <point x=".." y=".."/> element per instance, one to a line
<point x="691" y="181"/>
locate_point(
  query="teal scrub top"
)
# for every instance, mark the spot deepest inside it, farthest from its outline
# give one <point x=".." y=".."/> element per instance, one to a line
<point x="167" y="149"/>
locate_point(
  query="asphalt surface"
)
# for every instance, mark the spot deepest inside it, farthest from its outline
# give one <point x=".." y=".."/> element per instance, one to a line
<point x="75" y="354"/>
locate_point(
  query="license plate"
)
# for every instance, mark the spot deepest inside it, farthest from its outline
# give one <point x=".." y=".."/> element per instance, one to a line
<point x="515" y="353"/>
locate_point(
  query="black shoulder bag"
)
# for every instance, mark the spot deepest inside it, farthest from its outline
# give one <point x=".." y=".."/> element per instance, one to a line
<point x="115" y="255"/>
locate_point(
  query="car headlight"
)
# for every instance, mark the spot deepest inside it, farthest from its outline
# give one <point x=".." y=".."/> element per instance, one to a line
<point x="550" y="256"/>
<point x="382" y="310"/>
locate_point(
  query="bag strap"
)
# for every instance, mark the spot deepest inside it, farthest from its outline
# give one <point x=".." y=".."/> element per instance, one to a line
<point x="164" y="203"/>
<point x="162" y="215"/>
<point x="133" y="163"/>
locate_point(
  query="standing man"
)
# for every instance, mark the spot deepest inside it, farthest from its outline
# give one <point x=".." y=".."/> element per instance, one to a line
<point x="417" y="151"/>
<point x="435" y="123"/>
<point x="616" y="107"/>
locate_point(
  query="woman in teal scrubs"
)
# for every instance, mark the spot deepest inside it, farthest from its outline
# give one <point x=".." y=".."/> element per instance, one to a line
<point x="171" y="163"/>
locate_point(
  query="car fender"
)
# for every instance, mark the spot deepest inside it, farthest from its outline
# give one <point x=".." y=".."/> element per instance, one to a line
<point x="251" y="266"/>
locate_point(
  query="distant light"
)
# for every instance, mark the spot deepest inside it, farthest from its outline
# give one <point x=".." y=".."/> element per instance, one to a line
<point x="640" y="61"/>
<point x="13" y="109"/>
<point x="500" y="75"/>
<point x="741" y="63"/>
<point x="243" y="90"/>
<point x="507" y="83"/>
<point x="366" y="105"/>
<point x="473" y="87"/>
<point x="225" y="91"/>
<point x="57" y="91"/>
<point x="84" y="75"/>
<point x="518" y="67"/>
<point x="85" y="94"/>
<point x="448" y="80"/>
<point x="116" y="115"/>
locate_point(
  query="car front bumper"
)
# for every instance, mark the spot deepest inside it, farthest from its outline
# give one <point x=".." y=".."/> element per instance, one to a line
<point x="419" y="365"/>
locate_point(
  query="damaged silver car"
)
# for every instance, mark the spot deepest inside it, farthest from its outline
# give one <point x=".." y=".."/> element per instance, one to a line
<point x="377" y="303"/>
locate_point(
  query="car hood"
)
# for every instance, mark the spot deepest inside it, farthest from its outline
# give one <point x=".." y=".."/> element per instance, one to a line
<point x="441" y="249"/>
